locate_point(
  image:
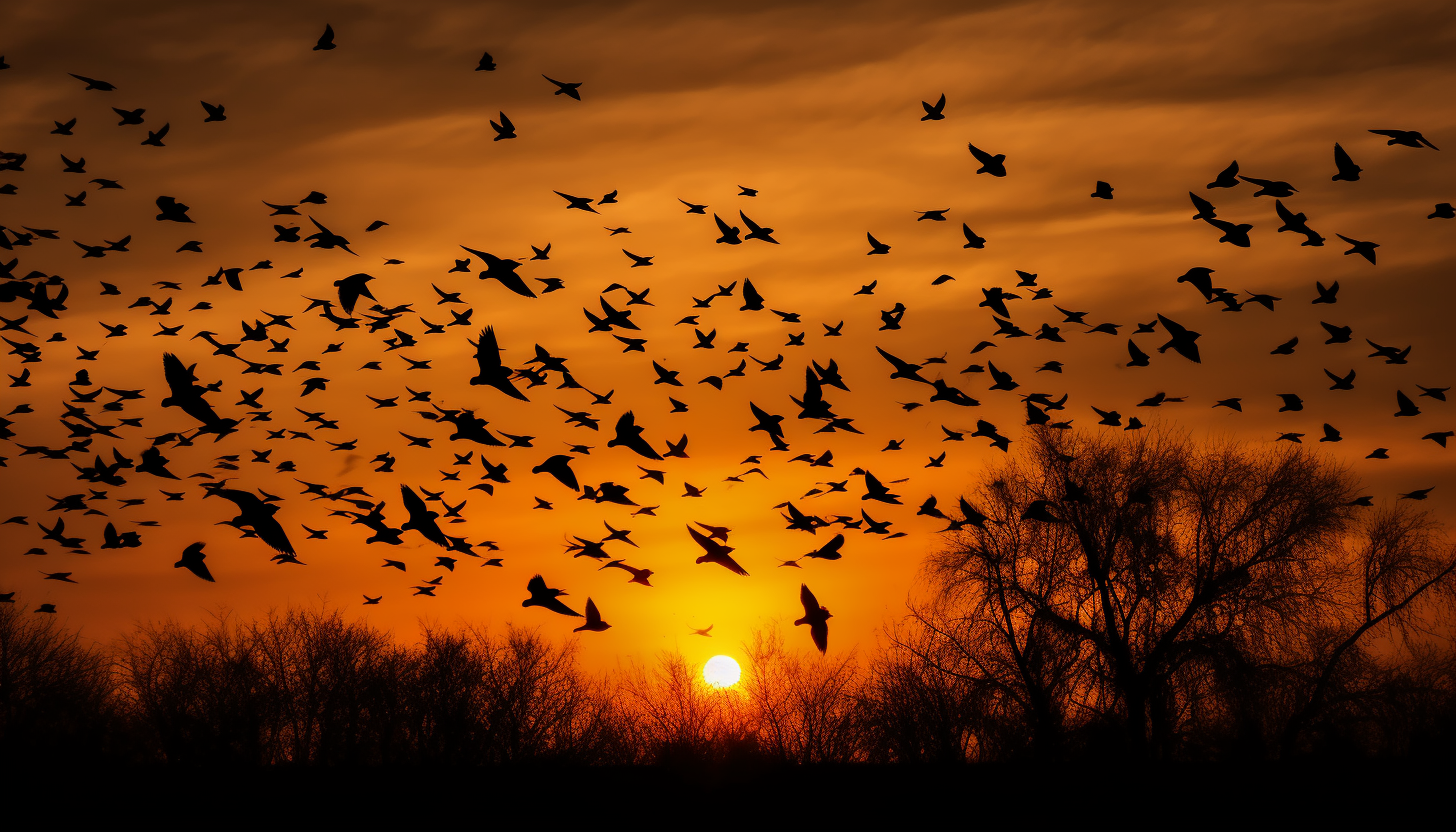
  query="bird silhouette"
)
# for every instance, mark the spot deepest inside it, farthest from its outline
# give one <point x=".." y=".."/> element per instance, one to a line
<point x="568" y="89"/>
<point x="1346" y="169"/>
<point x="1227" y="178"/>
<point x="816" y="616"/>
<point x="1363" y="248"/>
<point x="934" y="112"/>
<point x="1405" y="138"/>
<point x="255" y="513"/>
<point x="594" y="622"/>
<point x="491" y="372"/>
<point x="715" y="552"/>
<point x="192" y="561"/>
<point x="504" y="129"/>
<point x="547" y="598"/>
<point x="992" y="164"/>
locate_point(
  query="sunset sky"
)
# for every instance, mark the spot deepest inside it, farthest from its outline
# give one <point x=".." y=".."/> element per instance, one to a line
<point x="818" y="107"/>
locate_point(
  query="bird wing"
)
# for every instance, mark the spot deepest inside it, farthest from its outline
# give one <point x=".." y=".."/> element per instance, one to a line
<point x="536" y="586"/>
<point x="487" y="351"/>
<point x="179" y="378"/>
<point x="725" y="560"/>
<point x="811" y="604"/>
<point x="820" y="633"/>
<point x="703" y="540"/>
<point x="418" y="512"/>
<point x="830" y="550"/>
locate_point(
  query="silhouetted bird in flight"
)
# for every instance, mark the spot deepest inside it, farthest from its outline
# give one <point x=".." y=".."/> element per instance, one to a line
<point x="1297" y="223"/>
<point x="1227" y="178"/>
<point x="93" y="84"/>
<point x="1361" y="247"/>
<point x="1346" y="169"/>
<point x="543" y="596"/>
<point x="594" y="622"/>
<point x="502" y="270"/>
<point x="565" y="88"/>
<point x="326" y="40"/>
<point x="727" y="233"/>
<point x="257" y="514"/>
<point x="934" y="112"/>
<point x="973" y="240"/>
<point x="1205" y="208"/>
<point x="581" y="203"/>
<point x="1270" y="187"/>
<point x="492" y="372"/>
<point x="1405" y="138"/>
<point x="504" y="129"/>
<point x="192" y="561"/>
<point x="715" y="552"/>
<point x="629" y="435"/>
<point x="816" y="616"/>
<point x="994" y="165"/>
<point x="1233" y="233"/>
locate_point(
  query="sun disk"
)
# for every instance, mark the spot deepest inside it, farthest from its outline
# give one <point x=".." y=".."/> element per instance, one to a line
<point x="721" y="672"/>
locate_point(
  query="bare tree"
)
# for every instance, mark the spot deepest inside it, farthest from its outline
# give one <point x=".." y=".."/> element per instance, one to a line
<point x="806" y="708"/>
<point x="56" y="694"/>
<point x="1117" y="582"/>
<point x="1396" y="582"/>
<point x="679" y="718"/>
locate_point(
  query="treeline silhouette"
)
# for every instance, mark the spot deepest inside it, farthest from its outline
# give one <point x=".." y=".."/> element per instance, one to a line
<point x="1138" y="597"/>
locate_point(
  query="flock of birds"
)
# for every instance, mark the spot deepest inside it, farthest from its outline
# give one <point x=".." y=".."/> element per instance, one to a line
<point x="96" y="414"/>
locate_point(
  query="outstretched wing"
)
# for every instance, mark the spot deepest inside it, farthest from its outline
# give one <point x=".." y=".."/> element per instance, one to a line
<point x="703" y="540"/>
<point x="811" y="604"/>
<point x="536" y="586"/>
<point x="179" y="378"/>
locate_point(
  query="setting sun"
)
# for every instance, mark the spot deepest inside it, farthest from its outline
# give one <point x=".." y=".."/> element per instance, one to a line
<point x="721" y="672"/>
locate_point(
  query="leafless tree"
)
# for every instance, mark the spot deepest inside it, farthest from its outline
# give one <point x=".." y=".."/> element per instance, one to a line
<point x="56" y="693"/>
<point x="1127" y="583"/>
<point x="805" y="708"/>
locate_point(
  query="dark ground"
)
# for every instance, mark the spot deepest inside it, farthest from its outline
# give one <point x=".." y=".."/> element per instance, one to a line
<point x="1292" y="795"/>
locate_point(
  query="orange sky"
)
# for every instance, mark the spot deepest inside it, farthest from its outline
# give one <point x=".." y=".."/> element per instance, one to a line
<point x="815" y="105"/>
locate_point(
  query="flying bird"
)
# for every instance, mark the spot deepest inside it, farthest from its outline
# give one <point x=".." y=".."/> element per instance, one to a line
<point x="547" y="598"/>
<point x="1405" y="138"/>
<point x="934" y="112"/>
<point x="816" y="616"/>
<point x="192" y="561"/>
<point x="566" y="88"/>
<point x="715" y="552"/>
<point x="994" y="165"/>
